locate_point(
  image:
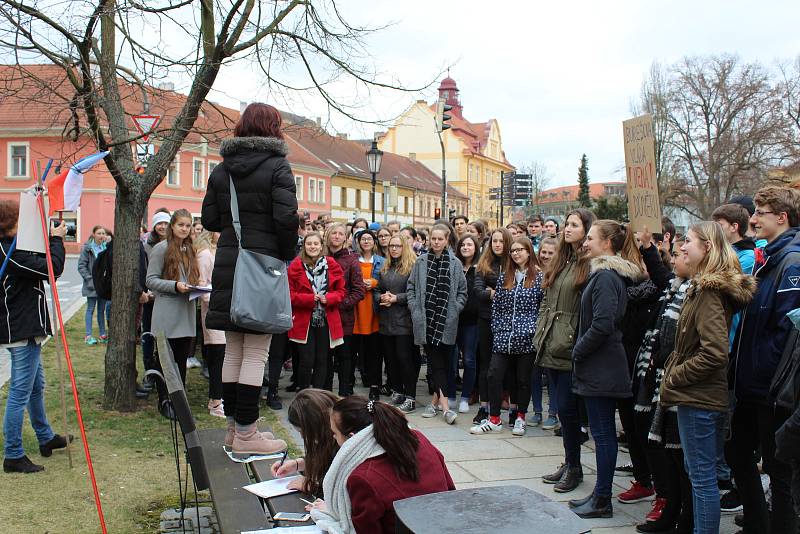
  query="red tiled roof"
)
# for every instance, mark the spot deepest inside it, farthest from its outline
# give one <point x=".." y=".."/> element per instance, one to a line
<point x="474" y="134"/>
<point x="348" y="158"/>
<point x="570" y="192"/>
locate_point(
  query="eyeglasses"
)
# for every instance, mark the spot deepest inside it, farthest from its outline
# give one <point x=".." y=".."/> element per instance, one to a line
<point x="515" y="250"/>
<point x="761" y="213"/>
<point x="395" y="246"/>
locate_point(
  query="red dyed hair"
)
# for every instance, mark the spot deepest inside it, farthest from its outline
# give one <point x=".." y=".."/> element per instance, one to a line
<point x="259" y="120"/>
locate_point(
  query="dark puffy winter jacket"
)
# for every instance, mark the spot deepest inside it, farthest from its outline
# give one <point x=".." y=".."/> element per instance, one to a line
<point x="600" y="366"/>
<point x="23" y="313"/>
<point x="265" y="189"/>
<point x="764" y="327"/>
<point x="484" y="283"/>
<point x="394" y="320"/>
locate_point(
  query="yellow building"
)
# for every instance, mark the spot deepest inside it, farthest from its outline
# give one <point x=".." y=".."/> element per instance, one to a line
<point x="474" y="156"/>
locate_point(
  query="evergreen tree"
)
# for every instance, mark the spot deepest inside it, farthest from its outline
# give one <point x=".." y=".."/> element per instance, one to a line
<point x="615" y="208"/>
<point x="583" y="183"/>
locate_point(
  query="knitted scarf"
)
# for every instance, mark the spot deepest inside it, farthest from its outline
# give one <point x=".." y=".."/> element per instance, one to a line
<point x="437" y="291"/>
<point x="318" y="278"/>
<point x="356" y="450"/>
<point x="650" y="360"/>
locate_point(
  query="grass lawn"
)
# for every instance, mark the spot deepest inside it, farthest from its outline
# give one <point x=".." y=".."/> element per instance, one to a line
<point x="131" y="453"/>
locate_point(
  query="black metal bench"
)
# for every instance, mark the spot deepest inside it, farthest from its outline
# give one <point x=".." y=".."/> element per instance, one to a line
<point x="237" y="509"/>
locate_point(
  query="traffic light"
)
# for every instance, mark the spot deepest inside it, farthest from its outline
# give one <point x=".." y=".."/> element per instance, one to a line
<point x="441" y="115"/>
<point x="437" y="213"/>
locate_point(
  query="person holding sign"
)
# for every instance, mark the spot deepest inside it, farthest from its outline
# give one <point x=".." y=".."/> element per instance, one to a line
<point x="27" y="325"/>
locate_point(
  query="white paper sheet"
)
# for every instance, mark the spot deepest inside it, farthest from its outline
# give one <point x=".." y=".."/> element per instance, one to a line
<point x="29" y="228"/>
<point x="272" y="488"/>
<point x="303" y="529"/>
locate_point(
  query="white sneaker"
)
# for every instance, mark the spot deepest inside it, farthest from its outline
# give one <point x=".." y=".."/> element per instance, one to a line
<point x="486" y="427"/>
<point x="408" y="406"/>
<point x="450" y="417"/>
<point x="193" y="363"/>
<point x="519" y="427"/>
<point x="463" y="406"/>
<point x="430" y="411"/>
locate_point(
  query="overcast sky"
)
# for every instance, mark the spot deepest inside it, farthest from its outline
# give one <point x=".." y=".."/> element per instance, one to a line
<point x="558" y="76"/>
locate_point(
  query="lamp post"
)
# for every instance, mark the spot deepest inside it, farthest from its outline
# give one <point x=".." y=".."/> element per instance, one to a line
<point x="374" y="156"/>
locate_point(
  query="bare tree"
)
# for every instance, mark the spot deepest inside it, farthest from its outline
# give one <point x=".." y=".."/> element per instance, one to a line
<point x="540" y="180"/>
<point x="789" y="88"/>
<point x="720" y="127"/>
<point x="110" y="54"/>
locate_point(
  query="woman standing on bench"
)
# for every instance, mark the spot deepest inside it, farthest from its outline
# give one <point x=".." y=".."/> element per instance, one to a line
<point x="255" y="161"/>
<point x="380" y="461"/>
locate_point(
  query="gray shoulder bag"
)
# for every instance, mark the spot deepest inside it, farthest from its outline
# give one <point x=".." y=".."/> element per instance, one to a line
<point x="260" y="299"/>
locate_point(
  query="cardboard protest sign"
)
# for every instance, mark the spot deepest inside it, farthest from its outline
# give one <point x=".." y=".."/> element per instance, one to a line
<point x="29" y="227"/>
<point x="640" y="166"/>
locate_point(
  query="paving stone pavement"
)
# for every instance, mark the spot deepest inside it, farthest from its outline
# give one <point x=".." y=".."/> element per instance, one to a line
<point x="503" y="459"/>
<point x="171" y="521"/>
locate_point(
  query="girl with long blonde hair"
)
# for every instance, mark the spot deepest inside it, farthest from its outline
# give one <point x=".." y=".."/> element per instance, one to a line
<point x="394" y="319"/>
<point x="696" y="374"/>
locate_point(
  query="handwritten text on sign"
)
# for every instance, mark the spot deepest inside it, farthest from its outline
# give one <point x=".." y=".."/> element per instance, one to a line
<point x="640" y="163"/>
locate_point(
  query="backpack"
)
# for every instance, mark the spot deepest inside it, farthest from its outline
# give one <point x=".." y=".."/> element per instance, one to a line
<point x="101" y="273"/>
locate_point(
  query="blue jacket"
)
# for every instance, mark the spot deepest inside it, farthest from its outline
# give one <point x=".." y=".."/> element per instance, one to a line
<point x="764" y="328"/>
<point x="514" y="315"/>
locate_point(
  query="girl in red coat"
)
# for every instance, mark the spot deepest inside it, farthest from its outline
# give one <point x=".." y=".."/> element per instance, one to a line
<point x="380" y="461"/>
<point x="316" y="286"/>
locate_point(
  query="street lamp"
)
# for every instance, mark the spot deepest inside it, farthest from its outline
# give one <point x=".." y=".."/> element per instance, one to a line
<point x="374" y="156"/>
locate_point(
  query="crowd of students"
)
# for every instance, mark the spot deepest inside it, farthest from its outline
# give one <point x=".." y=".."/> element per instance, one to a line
<point x="654" y="327"/>
<point x="681" y="337"/>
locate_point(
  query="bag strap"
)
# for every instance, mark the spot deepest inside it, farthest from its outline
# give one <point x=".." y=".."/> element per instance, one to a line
<point x="237" y="225"/>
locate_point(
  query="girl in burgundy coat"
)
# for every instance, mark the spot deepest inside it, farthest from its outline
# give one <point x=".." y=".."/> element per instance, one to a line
<point x="316" y="287"/>
<point x="380" y="461"/>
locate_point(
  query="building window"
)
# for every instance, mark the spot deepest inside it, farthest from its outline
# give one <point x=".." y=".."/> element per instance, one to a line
<point x="173" y="177"/>
<point x="352" y="198"/>
<point x="211" y="166"/>
<point x="18" y="160"/>
<point x="198" y="180"/>
<point x="298" y="186"/>
<point x="336" y="195"/>
<point x="364" y="200"/>
<point x="321" y="191"/>
<point x="312" y="190"/>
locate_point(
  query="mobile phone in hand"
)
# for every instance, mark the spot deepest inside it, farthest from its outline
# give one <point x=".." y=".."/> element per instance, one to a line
<point x="291" y="516"/>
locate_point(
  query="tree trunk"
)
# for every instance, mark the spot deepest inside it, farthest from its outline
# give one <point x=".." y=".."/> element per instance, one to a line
<point x="120" y="374"/>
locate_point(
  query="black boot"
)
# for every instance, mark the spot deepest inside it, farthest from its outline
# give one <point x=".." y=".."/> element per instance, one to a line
<point x="595" y="507"/>
<point x="553" y="478"/>
<point x="654" y="527"/>
<point x="21" y="465"/>
<point x="58" y="442"/>
<point x="572" y="478"/>
<point x="273" y="401"/>
<point x="574" y="503"/>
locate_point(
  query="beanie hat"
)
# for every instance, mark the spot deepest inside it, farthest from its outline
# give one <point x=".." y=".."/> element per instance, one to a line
<point x="375" y="226"/>
<point x="744" y="201"/>
<point x="160" y="217"/>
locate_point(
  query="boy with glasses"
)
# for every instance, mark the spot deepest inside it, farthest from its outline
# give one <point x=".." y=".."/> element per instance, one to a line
<point x="757" y="349"/>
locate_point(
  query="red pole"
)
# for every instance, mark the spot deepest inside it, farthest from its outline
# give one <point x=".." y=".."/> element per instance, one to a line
<point x="57" y="304"/>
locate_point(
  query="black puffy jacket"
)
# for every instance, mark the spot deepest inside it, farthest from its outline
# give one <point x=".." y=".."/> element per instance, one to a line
<point x="267" y="197"/>
<point x="23" y="312"/>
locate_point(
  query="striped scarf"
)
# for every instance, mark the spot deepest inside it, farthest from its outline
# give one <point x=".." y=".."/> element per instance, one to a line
<point x="437" y="291"/>
<point x="650" y="361"/>
<point x="318" y="278"/>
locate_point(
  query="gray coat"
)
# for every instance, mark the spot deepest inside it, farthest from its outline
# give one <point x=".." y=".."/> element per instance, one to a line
<point x="85" y="264"/>
<point x="173" y="312"/>
<point x="415" y="295"/>
<point x="394" y="320"/>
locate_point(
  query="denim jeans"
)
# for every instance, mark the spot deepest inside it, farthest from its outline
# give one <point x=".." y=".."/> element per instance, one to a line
<point x="103" y="312"/>
<point x="568" y="415"/>
<point x="602" y="422"/>
<point x="26" y="389"/>
<point x="536" y="392"/>
<point x="467" y="342"/>
<point x="698" y="429"/>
